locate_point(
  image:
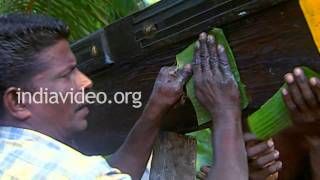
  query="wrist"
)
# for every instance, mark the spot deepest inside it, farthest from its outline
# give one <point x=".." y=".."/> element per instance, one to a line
<point x="226" y="116"/>
<point x="151" y="115"/>
<point x="155" y="107"/>
<point x="158" y="103"/>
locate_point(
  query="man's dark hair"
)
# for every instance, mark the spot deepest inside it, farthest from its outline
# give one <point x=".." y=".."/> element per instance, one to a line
<point x="22" y="38"/>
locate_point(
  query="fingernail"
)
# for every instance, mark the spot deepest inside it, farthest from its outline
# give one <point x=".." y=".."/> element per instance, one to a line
<point x="187" y="67"/>
<point x="276" y="154"/>
<point x="207" y="168"/>
<point x="220" y="48"/>
<point x="297" y="71"/>
<point x="289" y="78"/>
<point x="203" y="35"/>
<point x="270" y="143"/>
<point x="210" y="39"/>
<point x="279" y="164"/>
<point x="313" y="81"/>
<point x="284" y="91"/>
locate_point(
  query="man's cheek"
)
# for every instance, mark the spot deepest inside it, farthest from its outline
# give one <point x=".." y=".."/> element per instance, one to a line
<point x="57" y="114"/>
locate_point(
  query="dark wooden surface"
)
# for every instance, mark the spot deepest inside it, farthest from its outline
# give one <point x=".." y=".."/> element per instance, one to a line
<point x="174" y="157"/>
<point x="158" y="26"/>
<point x="266" y="46"/>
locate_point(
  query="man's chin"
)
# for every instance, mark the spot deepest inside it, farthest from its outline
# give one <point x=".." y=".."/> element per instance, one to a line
<point x="79" y="124"/>
<point x="81" y="120"/>
<point x="82" y="124"/>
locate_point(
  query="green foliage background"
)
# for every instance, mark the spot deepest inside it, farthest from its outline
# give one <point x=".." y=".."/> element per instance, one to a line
<point x="82" y="16"/>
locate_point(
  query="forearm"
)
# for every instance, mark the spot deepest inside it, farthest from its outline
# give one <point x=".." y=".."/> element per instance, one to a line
<point x="229" y="149"/>
<point x="134" y="153"/>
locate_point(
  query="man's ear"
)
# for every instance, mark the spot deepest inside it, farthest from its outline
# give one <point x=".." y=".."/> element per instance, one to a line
<point x="14" y="105"/>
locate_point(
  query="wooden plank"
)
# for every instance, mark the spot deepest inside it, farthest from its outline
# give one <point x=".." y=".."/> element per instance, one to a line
<point x="92" y="53"/>
<point x="174" y="158"/>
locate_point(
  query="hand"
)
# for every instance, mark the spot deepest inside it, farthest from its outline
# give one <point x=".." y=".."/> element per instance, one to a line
<point x="215" y="86"/>
<point x="203" y="173"/>
<point x="136" y="149"/>
<point x="302" y="98"/>
<point x="168" y="87"/>
<point x="262" y="157"/>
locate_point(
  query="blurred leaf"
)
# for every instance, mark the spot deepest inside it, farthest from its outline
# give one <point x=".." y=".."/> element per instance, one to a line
<point x="149" y="2"/>
<point x="204" y="147"/>
<point x="82" y="16"/>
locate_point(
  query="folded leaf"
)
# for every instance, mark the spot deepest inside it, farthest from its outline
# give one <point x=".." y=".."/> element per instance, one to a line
<point x="273" y="116"/>
<point x="204" y="147"/>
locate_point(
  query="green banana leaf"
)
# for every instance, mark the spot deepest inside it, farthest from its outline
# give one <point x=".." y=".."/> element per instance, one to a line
<point x="273" y="116"/>
<point x="82" y="16"/>
<point x="186" y="56"/>
<point x="204" y="147"/>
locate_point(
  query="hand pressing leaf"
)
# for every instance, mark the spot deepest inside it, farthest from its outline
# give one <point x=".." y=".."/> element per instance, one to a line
<point x="186" y="56"/>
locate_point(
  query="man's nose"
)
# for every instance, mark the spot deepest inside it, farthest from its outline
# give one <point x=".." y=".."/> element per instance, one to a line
<point x="84" y="81"/>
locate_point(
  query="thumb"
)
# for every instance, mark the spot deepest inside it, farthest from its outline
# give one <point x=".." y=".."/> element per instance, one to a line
<point x="184" y="74"/>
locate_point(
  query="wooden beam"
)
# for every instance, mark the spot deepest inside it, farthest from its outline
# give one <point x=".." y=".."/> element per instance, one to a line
<point x="159" y="26"/>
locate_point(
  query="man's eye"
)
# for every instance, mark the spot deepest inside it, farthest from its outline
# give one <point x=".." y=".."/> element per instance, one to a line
<point x="66" y="75"/>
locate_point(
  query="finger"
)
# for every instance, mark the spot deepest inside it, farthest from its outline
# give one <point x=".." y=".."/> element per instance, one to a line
<point x="289" y="101"/>
<point x="183" y="98"/>
<point x="170" y="74"/>
<point x="171" y="68"/>
<point x="249" y="137"/>
<point x="163" y="69"/>
<point x="265" y="159"/>
<point x="183" y="75"/>
<point x="255" y="150"/>
<point x="197" y="63"/>
<point x="162" y="73"/>
<point x="273" y="168"/>
<point x="205" y="169"/>
<point x="267" y="171"/>
<point x="294" y="110"/>
<point x="213" y="53"/>
<point x="273" y="176"/>
<point x="315" y="86"/>
<point x="204" y="53"/>
<point x="201" y="175"/>
<point x="304" y="87"/>
<point x="251" y="140"/>
<point x="223" y="62"/>
<point x="295" y="92"/>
